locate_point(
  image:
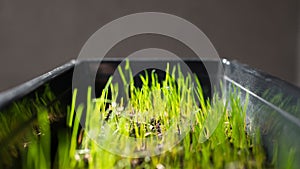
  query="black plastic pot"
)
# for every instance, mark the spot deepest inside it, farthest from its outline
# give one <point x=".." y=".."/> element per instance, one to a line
<point x="274" y="105"/>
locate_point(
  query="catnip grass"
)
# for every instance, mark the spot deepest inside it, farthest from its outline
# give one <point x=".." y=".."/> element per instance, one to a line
<point x="144" y="113"/>
<point x="227" y="146"/>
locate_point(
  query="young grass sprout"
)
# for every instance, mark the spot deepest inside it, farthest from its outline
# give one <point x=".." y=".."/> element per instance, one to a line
<point x="176" y="107"/>
<point x="166" y="123"/>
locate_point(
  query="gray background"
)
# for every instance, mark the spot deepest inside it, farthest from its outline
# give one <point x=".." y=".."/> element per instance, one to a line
<point x="37" y="36"/>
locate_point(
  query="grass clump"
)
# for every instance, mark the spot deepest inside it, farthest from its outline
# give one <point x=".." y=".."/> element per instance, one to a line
<point x="163" y="124"/>
<point x="175" y="105"/>
<point x="25" y="131"/>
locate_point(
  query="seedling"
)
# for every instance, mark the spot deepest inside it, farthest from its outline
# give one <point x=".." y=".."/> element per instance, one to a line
<point x="175" y="105"/>
<point x="151" y="111"/>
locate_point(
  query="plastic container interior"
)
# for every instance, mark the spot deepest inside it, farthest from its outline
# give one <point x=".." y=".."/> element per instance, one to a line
<point x="274" y="105"/>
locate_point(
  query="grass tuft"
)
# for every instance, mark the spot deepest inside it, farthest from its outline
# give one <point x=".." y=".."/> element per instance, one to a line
<point x="208" y="133"/>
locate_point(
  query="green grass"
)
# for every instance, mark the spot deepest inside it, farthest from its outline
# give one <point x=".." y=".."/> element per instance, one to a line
<point x="25" y="131"/>
<point x="175" y="106"/>
<point x="154" y="110"/>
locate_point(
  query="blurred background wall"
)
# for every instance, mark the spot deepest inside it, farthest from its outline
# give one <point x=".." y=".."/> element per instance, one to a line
<point x="37" y="36"/>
